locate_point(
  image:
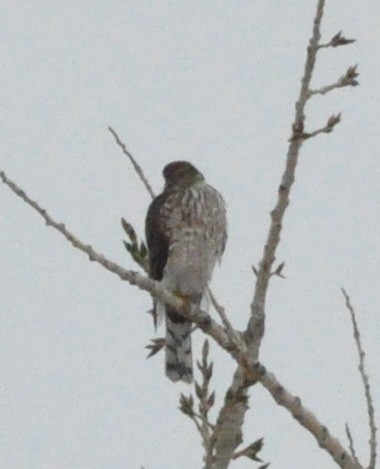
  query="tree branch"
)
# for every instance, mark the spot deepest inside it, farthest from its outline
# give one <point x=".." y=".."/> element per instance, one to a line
<point x="256" y="324"/>
<point x="326" y="129"/>
<point x="228" y="434"/>
<point x="206" y="402"/>
<point x="231" y="416"/>
<point x="307" y="419"/>
<point x="348" y="79"/>
<point x="136" y="166"/>
<point x="232" y="333"/>
<point x="351" y="444"/>
<point x="365" y="380"/>
<point x="187" y="309"/>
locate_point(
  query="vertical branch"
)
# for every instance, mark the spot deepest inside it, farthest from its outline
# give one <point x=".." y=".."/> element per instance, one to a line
<point x="228" y="431"/>
<point x="206" y="401"/>
<point x="365" y="380"/>
<point x="256" y="324"/>
<point x="351" y="444"/>
<point x="231" y="416"/>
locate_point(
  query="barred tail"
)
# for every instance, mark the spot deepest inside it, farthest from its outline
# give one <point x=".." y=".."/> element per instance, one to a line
<point x="178" y="354"/>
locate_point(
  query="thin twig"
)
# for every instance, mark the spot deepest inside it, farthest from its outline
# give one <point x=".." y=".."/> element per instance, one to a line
<point x="233" y="334"/>
<point x="351" y="444"/>
<point x="210" y="425"/>
<point x="365" y="380"/>
<point x="189" y="310"/>
<point x="332" y="121"/>
<point x="326" y="89"/>
<point x="348" y="79"/>
<point x="136" y="166"/>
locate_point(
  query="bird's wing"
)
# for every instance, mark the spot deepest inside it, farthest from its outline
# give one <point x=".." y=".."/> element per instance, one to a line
<point x="156" y="238"/>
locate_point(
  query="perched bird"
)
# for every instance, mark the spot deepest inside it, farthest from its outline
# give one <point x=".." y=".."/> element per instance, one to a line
<point x="186" y="232"/>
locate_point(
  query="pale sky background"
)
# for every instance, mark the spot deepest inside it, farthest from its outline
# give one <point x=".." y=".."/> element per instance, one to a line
<point x="214" y="83"/>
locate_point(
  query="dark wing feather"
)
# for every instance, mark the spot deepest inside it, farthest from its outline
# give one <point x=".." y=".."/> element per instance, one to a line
<point x="157" y="240"/>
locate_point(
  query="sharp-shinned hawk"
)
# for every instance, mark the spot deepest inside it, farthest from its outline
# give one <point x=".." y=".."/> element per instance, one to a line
<point x="186" y="232"/>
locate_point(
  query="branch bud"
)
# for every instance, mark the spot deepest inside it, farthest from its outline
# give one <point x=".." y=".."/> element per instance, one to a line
<point x="130" y="231"/>
<point x="187" y="405"/>
<point x="332" y="122"/>
<point x="351" y="74"/>
<point x="254" y="448"/>
<point x="339" y="40"/>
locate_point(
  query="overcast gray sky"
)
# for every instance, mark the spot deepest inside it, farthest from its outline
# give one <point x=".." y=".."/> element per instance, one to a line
<point x="214" y="83"/>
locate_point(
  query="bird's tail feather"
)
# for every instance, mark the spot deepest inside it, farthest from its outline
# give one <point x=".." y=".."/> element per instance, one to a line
<point x="178" y="353"/>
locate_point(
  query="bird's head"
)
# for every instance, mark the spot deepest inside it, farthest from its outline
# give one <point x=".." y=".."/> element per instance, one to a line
<point x="181" y="173"/>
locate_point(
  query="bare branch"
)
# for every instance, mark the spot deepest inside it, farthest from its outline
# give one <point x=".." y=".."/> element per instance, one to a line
<point x="256" y="324"/>
<point x="189" y="310"/>
<point x="307" y="419"/>
<point x="233" y="334"/>
<point x="136" y="166"/>
<point x="231" y="417"/>
<point x="228" y="434"/>
<point x="351" y="444"/>
<point x="348" y="79"/>
<point x="365" y="380"/>
<point x="332" y="121"/>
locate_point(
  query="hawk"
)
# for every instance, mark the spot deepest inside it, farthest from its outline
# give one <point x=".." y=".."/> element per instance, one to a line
<point x="186" y="232"/>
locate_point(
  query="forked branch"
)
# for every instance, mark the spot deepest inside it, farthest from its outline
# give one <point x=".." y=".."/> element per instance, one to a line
<point x="256" y="324"/>
<point x="222" y="439"/>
